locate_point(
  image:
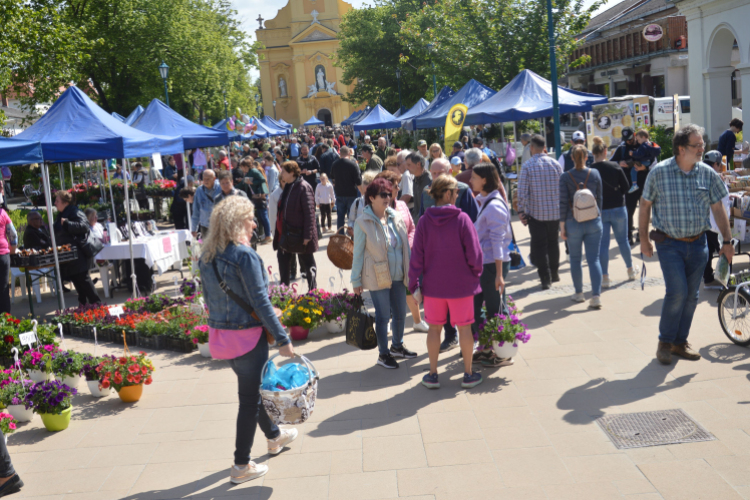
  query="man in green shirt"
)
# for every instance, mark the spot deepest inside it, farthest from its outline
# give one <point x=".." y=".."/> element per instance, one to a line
<point x="374" y="162"/>
<point x="383" y="151"/>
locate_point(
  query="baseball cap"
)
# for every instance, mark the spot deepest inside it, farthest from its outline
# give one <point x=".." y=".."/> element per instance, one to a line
<point x="477" y="140"/>
<point x="712" y="157"/>
<point x="578" y="136"/>
<point x="421" y="142"/>
<point x="456" y="160"/>
<point x="627" y="133"/>
<point x="458" y="145"/>
<point x="367" y="147"/>
<point x="190" y="178"/>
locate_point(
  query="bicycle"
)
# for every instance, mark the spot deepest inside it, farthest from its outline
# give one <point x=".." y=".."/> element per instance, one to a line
<point x="734" y="309"/>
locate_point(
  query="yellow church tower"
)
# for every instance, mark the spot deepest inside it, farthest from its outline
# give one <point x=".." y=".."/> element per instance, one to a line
<point x="296" y="68"/>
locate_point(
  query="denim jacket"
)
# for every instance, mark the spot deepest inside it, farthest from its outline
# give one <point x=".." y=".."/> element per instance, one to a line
<point x="203" y="206"/>
<point x="244" y="273"/>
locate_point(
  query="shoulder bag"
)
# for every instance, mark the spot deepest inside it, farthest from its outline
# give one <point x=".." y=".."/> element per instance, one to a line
<point x="291" y="240"/>
<point x="360" y="327"/>
<point x="240" y="302"/>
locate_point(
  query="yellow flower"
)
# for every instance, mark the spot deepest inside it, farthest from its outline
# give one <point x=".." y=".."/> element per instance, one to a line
<point x="307" y="320"/>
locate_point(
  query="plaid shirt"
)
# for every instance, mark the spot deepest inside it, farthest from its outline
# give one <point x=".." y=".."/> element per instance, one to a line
<point x="682" y="201"/>
<point x="539" y="188"/>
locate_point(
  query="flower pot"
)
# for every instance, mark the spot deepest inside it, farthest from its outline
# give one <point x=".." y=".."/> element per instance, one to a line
<point x="335" y="326"/>
<point x="54" y="423"/>
<point x="204" y="350"/>
<point x="39" y="376"/>
<point x="72" y="382"/>
<point x="298" y="332"/>
<point x="131" y="393"/>
<point x="95" y="391"/>
<point x="180" y="344"/>
<point x="20" y="413"/>
<point x="507" y="350"/>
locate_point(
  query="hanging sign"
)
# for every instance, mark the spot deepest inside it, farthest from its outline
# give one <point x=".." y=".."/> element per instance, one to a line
<point x="27" y="338"/>
<point x="653" y="32"/>
<point x="116" y="311"/>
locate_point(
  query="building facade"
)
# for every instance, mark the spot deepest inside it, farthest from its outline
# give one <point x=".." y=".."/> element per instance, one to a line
<point x="623" y="61"/>
<point x="296" y="67"/>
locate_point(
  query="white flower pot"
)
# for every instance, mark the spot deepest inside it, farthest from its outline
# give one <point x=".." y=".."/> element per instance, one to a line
<point x="335" y="326"/>
<point x="95" y="391"/>
<point x="72" y="382"/>
<point x="204" y="350"/>
<point x="20" y="413"/>
<point x="39" y="376"/>
<point x="507" y="350"/>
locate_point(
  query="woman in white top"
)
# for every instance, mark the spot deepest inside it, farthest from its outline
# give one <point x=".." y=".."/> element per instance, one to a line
<point x="359" y="204"/>
<point x="324" y="199"/>
<point x="96" y="229"/>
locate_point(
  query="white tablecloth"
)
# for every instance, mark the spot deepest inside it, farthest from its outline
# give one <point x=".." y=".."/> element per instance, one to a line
<point x="163" y="250"/>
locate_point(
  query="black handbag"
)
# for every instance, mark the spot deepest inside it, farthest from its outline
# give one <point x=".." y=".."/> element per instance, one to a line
<point x="91" y="245"/>
<point x="360" y="327"/>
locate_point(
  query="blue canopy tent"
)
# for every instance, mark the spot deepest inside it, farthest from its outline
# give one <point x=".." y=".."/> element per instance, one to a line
<point x="413" y="111"/>
<point x="285" y="124"/>
<point x="233" y="136"/>
<point x="352" y="117"/>
<point x="133" y="116"/>
<point x="407" y="119"/>
<point x="378" y="118"/>
<point x="526" y="97"/>
<point x="118" y="116"/>
<point x="435" y="114"/>
<point x="312" y="122"/>
<point x="267" y="122"/>
<point x="158" y="118"/>
<point x="263" y="131"/>
<point x="365" y="112"/>
<point x="19" y="152"/>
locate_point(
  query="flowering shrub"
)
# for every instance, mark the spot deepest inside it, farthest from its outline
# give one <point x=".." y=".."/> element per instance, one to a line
<point x="304" y="311"/>
<point x="39" y="360"/>
<point x="337" y="305"/>
<point x="14" y="392"/>
<point x="90" y="363"/>
<point x="7" y="423"/>
<point x="67" y="363"/>
<point x="11" y="328"/>
<point x="188" y="288"/>
<point x="281" y="295"/>
<point x="153" y="304"/>
<point x="125" y="371"/>
<point x="165" y="184"/>
<point x="49" y="397"/>
<point x="199" y="334"/>
<point x="503" y="328"/>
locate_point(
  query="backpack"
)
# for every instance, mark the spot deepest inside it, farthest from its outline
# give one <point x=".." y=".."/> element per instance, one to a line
<point x="584" y="203"/>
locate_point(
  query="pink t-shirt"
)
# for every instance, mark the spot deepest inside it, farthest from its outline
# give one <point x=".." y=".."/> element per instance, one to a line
<point x="230" y="344"/>
<point x="4" y="244"/>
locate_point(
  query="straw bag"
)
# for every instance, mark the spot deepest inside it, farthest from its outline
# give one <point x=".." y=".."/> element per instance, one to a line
<point x="295" y="405"/>
<point x="341" y="250"/>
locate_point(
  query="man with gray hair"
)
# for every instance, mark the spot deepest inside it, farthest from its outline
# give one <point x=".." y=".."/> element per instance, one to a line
<point x="472" y="157"/>
<point x="407" y="179"/>
<point x="683" y="193"/>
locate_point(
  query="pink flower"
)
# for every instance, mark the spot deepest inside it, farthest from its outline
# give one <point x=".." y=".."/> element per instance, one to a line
<point x="12" y="425"/>
<point x="195" y="341"/>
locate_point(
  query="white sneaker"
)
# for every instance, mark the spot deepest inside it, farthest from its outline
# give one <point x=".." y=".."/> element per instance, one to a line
<point x="633" y="273"/>
<point x="605" y="281"/>
<point x="422" y="326"/>
<point x="276" y="445"/>
<point x="578" y="297"/>
<point x="595" y="302"/>
<point x="238" y="474"/>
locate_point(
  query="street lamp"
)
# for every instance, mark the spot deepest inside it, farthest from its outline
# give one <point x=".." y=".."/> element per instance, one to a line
<point x="274" y="109"/>
<point x="164" y="72"/>
<point x="398" y="77"/>
<point x="226" y="114"/>
<point x="553" y="76"/>
<point x="431" y="48"/>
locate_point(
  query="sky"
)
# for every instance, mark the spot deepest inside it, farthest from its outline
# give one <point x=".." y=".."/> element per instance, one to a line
<point x="248" y="11"/>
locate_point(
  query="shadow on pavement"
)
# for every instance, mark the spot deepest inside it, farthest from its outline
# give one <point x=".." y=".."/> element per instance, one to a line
<point x="215" y="485"/>
<point x="726" y="353"/>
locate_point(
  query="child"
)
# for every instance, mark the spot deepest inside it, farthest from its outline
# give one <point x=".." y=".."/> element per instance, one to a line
<point x="645" y="155"/>
<point x="325" y="198"/>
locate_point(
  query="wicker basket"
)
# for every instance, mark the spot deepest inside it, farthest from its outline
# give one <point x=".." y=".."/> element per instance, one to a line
<point x="294" y="406"/>
<point x="341" y="250"/>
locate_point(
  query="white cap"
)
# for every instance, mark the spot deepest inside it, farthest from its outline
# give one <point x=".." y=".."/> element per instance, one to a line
<point x="456" y="160"/>
<point x="578" y="136"/>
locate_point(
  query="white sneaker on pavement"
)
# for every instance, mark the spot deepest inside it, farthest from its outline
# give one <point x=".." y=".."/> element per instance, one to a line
<point x="241" y="474"/>
<point x="276" y="445"/>
<point x="595" y="302"/>
<point x="633" y="273"/>
<point x="422" y="326"/>
<point x="606" y="283"/>
<point x="578" y="297"/>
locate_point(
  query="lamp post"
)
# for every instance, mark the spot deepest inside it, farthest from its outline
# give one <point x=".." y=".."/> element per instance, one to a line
<point x="226" y="114"/>
<point x="553" y="76"/>
<point x="164" y="72"/>
<point x="431" y="48"/>
<point x="257" y="105"/>
<point x="274" y="109"/>
<point x="398" y="77"/>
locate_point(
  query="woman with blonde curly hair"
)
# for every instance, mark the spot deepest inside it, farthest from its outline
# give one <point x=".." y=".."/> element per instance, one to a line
<point x="236" y="292"/>
<point x="436" y="151"/>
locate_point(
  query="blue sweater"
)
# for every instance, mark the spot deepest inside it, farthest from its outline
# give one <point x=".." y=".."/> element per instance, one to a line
<point x="203" y="205"/>
<point x="727" y="141"/>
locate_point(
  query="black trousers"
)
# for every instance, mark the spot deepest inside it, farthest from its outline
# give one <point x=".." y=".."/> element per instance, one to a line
<point x="712" y="239"/>
<point x="292" y="265"/>
<point x="5" y="284"/>
<point x="85" y="288"/>
<point x="545" y="249"/>
<point x="631" y="199"/>
<point x="306" y="262"/>
<point x="325" y="211"/>
<point x="180" y="219"/>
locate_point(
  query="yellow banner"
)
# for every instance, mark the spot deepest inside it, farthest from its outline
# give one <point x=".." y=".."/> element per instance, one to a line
<point x="454" y="126"/>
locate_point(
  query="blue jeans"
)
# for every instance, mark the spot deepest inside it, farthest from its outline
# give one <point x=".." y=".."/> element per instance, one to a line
<point x="682" y="265"/>
<point x="248" y="369"/>
<point x="617" y="219"/>
<point x="390" y="304"/>
<point x="492" y="300"/>
<point x="589" y="235"/>
<point x="262" y="215"/>
<point x="343" y="203"/>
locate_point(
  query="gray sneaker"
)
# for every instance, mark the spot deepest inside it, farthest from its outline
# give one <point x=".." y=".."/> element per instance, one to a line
<point x="241" y="474"/>
<point x="276" y="445"/>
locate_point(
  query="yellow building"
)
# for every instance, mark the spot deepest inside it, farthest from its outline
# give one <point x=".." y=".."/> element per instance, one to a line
<point x="296" y="69"/>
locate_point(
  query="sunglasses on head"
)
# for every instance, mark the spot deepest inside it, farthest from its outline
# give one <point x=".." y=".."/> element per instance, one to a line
<point x="385" y="194"/>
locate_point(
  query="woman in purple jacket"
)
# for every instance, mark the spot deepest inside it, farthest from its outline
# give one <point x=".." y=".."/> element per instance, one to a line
<point x="446" y="240"/>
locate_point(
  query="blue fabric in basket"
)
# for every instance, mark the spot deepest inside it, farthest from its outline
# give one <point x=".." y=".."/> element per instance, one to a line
<point x="289" y="376"/>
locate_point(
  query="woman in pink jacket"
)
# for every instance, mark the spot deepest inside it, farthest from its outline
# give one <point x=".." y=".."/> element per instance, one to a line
<point x="447" y="256"/>
<point x="402" y="208"/>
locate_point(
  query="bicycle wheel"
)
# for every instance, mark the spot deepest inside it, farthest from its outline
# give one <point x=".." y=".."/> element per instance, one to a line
<point x="737" y="328"/>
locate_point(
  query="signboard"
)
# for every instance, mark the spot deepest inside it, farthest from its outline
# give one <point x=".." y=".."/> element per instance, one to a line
<point x="116" y="311"/>
<point x="27" y="338"/>
<point x="609" y="119"/>
<point x="676" y="113"/>
<point x="653" y="32"/>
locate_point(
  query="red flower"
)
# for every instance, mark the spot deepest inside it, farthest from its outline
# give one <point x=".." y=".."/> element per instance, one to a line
<point x="137" y="379"/>
<point x="133" y="368"/>
<point x="144" y="370"/>
<point x="8" y="339"/>
<point x="148" y="381"/>
<point x="130" y="378"/>
<point x="123" y="360"/>
<point x="105" y="384"/>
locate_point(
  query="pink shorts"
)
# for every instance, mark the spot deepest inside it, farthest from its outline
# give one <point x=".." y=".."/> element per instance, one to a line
<point x="461" y="309"/>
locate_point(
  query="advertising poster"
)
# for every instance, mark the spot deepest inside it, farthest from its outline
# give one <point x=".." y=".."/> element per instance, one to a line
<point x="609" y="120"/>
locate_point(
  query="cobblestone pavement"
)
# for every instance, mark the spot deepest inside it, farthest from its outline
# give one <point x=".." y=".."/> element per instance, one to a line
<point x="527" y="432"/>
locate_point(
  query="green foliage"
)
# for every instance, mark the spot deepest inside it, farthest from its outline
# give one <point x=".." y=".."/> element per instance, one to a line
<point x="663" y="137"/>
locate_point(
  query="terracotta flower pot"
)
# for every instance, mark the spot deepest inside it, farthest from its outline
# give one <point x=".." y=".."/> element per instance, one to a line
<point x="298" y="332"/>
<point x="131" y="393"/>
<point x="54" y="423"/>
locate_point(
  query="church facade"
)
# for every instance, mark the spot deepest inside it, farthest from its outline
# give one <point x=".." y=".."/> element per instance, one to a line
<point x="296" y="67"/>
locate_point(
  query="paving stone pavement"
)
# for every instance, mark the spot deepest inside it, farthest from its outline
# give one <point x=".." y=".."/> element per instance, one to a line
<point x="527" y="432"/>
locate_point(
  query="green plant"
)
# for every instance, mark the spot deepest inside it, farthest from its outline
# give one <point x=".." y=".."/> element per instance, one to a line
<point x="67" y="363"/>
<point x="14" y="392"/>
<point x="503" y="328"/>
<point x="304" y="311"/>
<point x="663" y="137"/>
<point x="125" y="371"/>
<point x="7" y="423"/>
<point x="50" y="397"/>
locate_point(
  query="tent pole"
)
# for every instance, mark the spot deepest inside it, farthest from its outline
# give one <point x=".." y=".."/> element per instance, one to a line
<point x="502" y="140"/>
<point x="515" y="138"/>
<point x="130" y="229"/>
<point x="72" y="182"/>
<point x="48" y="200"/>
<point x="111" y="199"/>
<point x="544" y="130"/>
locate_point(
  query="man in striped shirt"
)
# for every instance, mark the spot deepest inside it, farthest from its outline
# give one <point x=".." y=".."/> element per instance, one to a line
<point x="538" y="207"/>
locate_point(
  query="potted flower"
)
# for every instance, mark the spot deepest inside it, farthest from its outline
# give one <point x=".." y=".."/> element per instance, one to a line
<point x="38" y="364"/>
<point x="52" y="401"/>
<point x="301" y="315"/>
<point x="152" y="334"/>
<point x="127" y="374"/>
<point x="90" y="364"/>
<point x="7" y="424"/>
<point x="335" y="308"/>
<point x="281" y="295"/>
<point x="67" y="367"/>
<point x="12" y="396"/>
<point x="199" y="336"/>
<point x="504" y="331"/>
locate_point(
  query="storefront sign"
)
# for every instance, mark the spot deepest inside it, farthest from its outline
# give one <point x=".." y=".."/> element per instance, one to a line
<point x="610" y="72"/>
<point x="653" y="32"/>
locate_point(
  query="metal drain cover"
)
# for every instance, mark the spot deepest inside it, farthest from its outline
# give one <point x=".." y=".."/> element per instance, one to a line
<point x="652" y="428"/>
